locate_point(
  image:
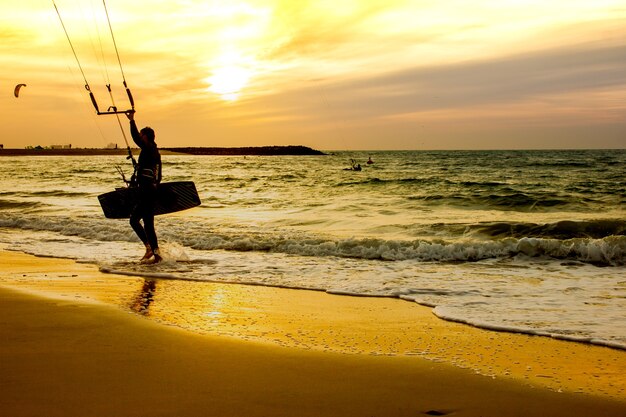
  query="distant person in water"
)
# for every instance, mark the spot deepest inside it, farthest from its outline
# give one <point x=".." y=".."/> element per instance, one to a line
<point x="369" y="161"/>
<point x="355" y="165"/>
<point x="147" y="177"/>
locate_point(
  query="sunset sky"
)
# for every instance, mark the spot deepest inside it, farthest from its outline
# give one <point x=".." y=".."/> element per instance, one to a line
<point x="342" y="74"/>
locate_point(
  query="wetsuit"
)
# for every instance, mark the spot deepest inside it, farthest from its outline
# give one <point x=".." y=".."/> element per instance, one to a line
<point x="148" y="176"/>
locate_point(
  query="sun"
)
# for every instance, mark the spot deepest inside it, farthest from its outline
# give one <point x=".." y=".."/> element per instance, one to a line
<point x="228" y="81"/>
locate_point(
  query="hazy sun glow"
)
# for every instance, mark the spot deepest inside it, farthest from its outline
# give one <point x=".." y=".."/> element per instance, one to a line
<point x="228" y="82"/>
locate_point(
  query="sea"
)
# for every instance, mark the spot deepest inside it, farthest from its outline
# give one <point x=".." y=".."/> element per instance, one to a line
<point x="517" y="241"/>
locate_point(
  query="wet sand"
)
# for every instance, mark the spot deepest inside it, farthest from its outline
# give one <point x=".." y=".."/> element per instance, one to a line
<point x="76" y="341"/>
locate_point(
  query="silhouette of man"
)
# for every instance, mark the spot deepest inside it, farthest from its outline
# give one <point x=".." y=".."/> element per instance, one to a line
<point x="147" y="177"/>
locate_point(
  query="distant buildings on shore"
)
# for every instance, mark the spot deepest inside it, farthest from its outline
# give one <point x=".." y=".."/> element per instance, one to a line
<point x="68" y="146"/>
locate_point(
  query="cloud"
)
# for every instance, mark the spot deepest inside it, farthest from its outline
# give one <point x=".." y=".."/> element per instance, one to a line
<point x="314" y="28"/>
<point x="14" y="40"/>
<point x="463" y="85"/>
<point x="532" y="99"/>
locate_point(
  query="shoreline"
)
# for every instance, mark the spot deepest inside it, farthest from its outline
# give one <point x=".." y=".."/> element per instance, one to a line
<point x="390" y="338"/>
<point x="491" y="328"/>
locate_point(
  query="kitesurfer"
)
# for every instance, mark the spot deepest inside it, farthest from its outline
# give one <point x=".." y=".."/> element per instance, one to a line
<point x="16" y="90"/>
<point x="147" y="176"/>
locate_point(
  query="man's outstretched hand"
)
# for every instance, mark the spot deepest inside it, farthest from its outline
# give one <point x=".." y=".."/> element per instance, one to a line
<point x="130" y="114"/>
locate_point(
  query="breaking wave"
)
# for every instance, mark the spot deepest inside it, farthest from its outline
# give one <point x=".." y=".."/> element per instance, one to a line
<point x="601" y="243"/>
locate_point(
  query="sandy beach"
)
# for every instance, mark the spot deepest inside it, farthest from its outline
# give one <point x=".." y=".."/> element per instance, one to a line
<point x="344" y="209"/>
<point x="76" y="341"/>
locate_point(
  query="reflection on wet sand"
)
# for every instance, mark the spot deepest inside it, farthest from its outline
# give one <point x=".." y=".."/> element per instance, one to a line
<point x="145" y="297"/>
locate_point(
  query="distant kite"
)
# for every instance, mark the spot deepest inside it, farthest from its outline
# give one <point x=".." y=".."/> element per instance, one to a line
<point x="17" y="89"/>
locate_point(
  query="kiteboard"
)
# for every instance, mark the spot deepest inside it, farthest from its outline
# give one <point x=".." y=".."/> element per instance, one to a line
<point x="171" y="197"/>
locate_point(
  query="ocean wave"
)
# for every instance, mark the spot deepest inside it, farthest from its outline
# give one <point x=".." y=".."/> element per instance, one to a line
<point x="12" y="204"/>
<point x="56" y="193"/>
<point x="482" y="184"/>
<point x="70" y="226"/>
<point x="566" y="229"/>
<point x="608" y="251"/>
<point x="514" y="201"/>
<point x="564" y="164"/>
<point x="393" y="181"/>
<point x="605" y="251"/>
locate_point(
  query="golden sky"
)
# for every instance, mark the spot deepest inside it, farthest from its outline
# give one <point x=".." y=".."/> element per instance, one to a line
<point x="342" y="74"/>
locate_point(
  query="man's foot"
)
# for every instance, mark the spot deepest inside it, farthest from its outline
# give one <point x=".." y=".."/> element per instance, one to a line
<point x="157" y="256"/>
<point x="146" y="257"/>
